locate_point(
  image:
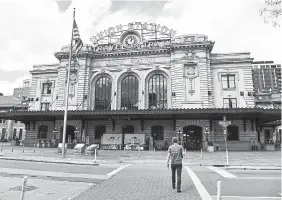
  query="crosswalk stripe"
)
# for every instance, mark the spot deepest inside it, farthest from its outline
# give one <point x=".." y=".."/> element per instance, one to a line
<point x="245" y="197"/>
<point x="117" y="170"/>
<point x="200" y="188"/>
<point x="222" y="172"/>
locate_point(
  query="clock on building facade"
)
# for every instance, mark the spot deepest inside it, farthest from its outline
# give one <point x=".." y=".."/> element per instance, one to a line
<point x="130" y="40"/>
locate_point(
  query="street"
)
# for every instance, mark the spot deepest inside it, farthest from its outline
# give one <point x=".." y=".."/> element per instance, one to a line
<point x="133" y="181"/>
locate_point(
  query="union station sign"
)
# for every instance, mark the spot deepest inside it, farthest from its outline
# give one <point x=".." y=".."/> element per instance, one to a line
<point x="134" y="35"/>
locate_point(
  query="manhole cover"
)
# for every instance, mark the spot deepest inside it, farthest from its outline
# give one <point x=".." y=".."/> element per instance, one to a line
<point x="27" y="188"/>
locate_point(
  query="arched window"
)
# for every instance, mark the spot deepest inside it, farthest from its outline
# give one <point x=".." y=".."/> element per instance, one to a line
<point x="232" y="132"/>
<point x="157" y="132"/>
<point x="42" y="131"/>
<point x="103" y="89"/>
<point x="157" y="87"/>
<point x="99" y="131"/>
<point x="129" y="93"/>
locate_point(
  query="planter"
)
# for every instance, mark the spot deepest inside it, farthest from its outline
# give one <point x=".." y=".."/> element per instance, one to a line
<point x="210" y="149"/>
<point x="269" y="147"/>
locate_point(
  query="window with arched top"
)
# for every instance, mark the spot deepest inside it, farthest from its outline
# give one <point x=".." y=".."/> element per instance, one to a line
<point x="157" y="132"/>
<point x="42" y="131"/>
<point x="232" y="132"/>
<point x="157" y="88"/>
<point x="129" y="93"/>
<point x="103" y="89"/>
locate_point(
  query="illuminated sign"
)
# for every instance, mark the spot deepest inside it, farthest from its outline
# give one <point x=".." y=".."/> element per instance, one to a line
<point x="153" y="27"/>
<point x="132" y="36"/>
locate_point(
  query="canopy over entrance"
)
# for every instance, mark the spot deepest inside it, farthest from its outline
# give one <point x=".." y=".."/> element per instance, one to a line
<point x="259" y="114"/>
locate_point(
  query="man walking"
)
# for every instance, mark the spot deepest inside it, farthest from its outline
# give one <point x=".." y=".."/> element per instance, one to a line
<point x="175" y="153"/>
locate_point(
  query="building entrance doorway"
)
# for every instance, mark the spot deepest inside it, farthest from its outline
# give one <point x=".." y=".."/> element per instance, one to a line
<point x="70" y="131"/>
<point x="128" y="129"/>
<point x="192" y="137"/>
<point x="99" y="131"/>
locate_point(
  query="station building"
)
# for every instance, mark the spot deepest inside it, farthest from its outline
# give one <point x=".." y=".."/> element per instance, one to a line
<point x="142" y="83"/>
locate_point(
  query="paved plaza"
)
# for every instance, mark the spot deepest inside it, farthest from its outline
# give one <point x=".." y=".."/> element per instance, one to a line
<point x="137" y="175"/>
<point x="236" y="158"/>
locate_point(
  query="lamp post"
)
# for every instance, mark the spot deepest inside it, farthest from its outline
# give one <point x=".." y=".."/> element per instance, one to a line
<point x="179" y="139"/>
<point x="207" y="134"/>
<point x="224" y="125"/>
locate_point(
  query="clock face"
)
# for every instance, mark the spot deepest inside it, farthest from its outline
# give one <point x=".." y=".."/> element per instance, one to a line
<point x="130" y="40"/>
<point x="72" y="77"/>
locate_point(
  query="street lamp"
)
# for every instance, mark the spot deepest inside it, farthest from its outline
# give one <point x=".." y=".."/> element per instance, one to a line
<point x="207" y="134"/>
<point x="179" y="132"/>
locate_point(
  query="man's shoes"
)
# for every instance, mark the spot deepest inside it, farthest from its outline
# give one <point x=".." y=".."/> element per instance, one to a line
<point x="178" y="191"/>
<point x="173" y="187"/>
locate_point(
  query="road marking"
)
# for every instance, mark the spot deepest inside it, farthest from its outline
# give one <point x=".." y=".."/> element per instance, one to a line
<point x="117" y="170"/>
<point x="201" y="189"/>
<point x="245" y="197"/>
<point x="222" y="172"/>
<point x="261" y="178"/>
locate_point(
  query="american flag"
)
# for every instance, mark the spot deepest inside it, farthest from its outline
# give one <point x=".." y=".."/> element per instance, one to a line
<point x="78" y="44"/>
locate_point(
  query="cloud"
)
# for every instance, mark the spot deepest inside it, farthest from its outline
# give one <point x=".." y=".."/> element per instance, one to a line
<point x="38" y="28"/>
<point x="7" y="87"/>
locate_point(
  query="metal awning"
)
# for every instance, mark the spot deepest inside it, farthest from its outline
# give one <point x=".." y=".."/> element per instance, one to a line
<point x="260" y="114"/>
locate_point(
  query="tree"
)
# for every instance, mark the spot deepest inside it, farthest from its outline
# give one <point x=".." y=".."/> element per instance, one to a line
<point x="271" y="12"/>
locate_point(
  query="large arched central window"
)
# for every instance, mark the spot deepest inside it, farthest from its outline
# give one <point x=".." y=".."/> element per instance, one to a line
<point x="103" y="89"/>
<point x="129" y="93"/>
<point x="157" y="92"/>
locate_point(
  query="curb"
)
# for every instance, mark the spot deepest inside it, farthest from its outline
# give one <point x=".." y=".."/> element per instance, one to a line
<point x="52" y="161"/>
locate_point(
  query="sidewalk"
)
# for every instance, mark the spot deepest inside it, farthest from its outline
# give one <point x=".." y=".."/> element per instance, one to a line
<point x="248" y="158"/>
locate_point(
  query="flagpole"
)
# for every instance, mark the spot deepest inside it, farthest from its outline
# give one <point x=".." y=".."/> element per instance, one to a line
<point x="67" y="91"/>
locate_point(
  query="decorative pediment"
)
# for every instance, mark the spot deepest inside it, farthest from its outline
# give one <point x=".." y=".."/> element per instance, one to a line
<point x="190" y="58"/>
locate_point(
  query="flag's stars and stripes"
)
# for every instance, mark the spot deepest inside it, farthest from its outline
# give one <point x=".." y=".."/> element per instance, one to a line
<point x="78" y="44"/>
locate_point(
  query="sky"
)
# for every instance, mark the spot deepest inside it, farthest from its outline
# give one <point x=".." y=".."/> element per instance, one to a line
<point x="33" y="30"/>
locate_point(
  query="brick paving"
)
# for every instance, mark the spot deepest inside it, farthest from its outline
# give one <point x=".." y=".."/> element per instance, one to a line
<point x="150" y="182"/>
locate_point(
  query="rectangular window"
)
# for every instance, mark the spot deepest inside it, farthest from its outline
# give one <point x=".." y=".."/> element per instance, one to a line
<point x="3" y="136"/>
<point x="45" y="106"/>
<point x="21" y="134"/>
<point x="229" y="103"/>
<point x="47" y="88"/>
<point x="228" y="81"/>
<point x="15" y="134"/>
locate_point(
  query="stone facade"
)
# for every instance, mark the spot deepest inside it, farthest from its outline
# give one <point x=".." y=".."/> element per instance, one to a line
<point x="193" y="74"/>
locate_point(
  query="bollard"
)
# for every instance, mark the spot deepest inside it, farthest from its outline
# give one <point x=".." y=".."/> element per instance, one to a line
<point x="154" y="149"/>
<point x="218" y="196"/>
<point x="124" y="150"/>
<point x="23" y="148"/>
<point x="227" y="159"/>
<point x="201" y="153"/>
<point x="12" y="147"/>
<point x="34" y="148"/>
<point x="95" y="155"/>
<point x="138" y="151"/>
<point x="23" y="188"/>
